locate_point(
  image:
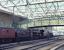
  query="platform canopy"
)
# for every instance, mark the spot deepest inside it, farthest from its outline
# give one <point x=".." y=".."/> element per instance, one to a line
<point x="34" y="8"/>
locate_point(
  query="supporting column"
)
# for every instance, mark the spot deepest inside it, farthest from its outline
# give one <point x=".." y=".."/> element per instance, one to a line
<point x="14" y="23"/>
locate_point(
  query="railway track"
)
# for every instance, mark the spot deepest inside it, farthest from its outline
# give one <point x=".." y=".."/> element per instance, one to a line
<point x="30" y="45"/>
<point x="51" y="46"/>
<point x="46" y="46"/>
<point x="33" y="46"/>
<point x="11" y="45"/>
<point x="17" y="44"/>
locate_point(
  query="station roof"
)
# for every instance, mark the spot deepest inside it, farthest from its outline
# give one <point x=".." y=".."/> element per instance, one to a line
<point x="33" y="8"/>
<point x="11" y="14"/>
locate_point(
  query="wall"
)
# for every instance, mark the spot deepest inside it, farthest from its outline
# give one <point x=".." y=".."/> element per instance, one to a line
<point x="5" y="20"/>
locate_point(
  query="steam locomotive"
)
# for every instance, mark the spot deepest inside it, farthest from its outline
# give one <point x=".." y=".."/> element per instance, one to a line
<point x="8" y="35"/>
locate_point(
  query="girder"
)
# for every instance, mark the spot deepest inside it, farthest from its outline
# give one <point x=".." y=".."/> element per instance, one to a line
<point x="34" y="7"/>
